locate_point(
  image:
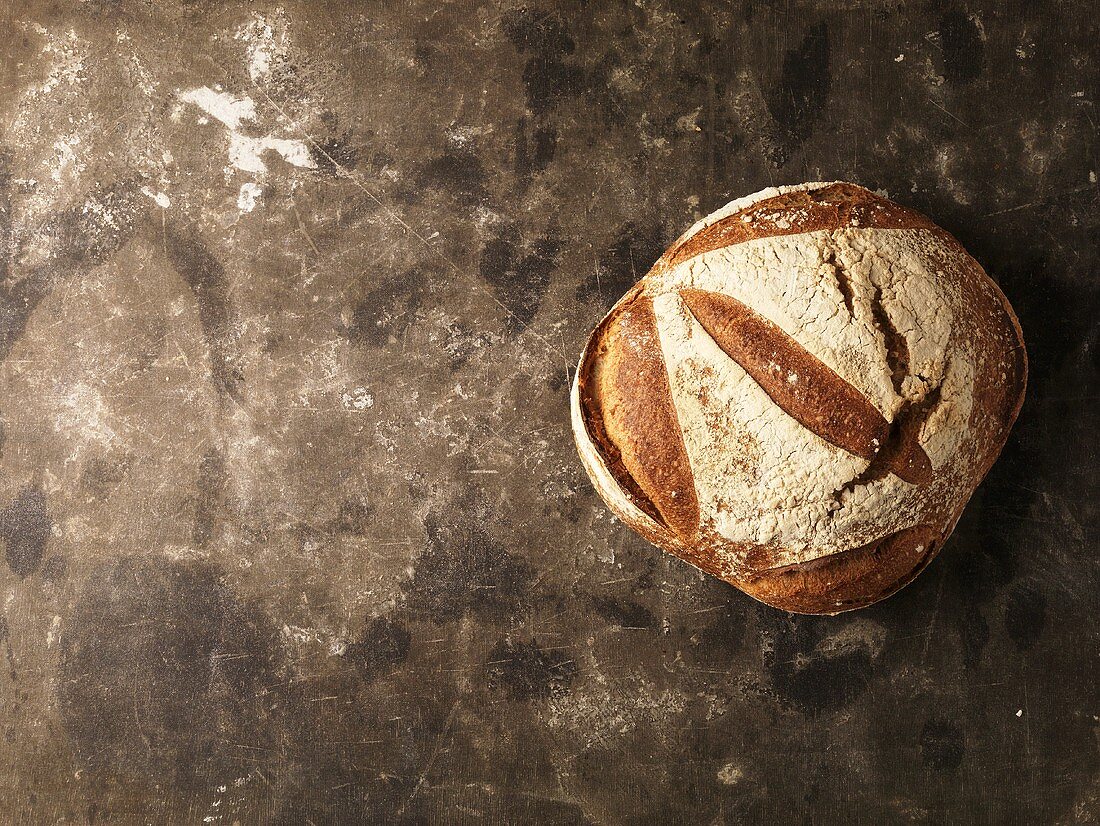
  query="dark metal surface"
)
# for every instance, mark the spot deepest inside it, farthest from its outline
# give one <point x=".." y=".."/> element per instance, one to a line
<point x="293" y="527"/>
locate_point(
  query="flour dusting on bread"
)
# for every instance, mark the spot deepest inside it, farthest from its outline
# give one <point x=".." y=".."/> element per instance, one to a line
<point x="857" y="313"/>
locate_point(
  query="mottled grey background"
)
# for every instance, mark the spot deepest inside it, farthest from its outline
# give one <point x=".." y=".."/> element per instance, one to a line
<point x="293" y="526"/>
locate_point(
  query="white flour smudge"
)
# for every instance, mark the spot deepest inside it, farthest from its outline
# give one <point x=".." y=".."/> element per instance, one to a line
<point x="225" y="107"/>
<point x="159" y="198"/>
<point x="265" y="38"/>
<point x="358" y="399"/>
<point x="245" y="152"/>
<point x="248" y="196"/>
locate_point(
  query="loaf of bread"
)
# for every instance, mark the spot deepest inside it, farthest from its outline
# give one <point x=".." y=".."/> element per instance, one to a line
<point x="801" y="395"/>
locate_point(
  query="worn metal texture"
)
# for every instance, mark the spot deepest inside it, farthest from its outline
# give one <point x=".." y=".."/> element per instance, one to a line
<point x="293" y="526"/>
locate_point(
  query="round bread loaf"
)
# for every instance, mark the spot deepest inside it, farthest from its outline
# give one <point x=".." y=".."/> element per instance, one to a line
<point x="801" y="395"/>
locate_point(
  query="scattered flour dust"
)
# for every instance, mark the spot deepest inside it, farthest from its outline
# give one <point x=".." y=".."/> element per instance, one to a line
<point x="266" y="41"/>
<point x="730" y="774"/>
<point x="65" y="158"/>
<point x="68" y="56"/>
<point x="599" y="714"/>
<point x="52" y="634"/>
<point x="248" y="196"/>
<point x="225" y="107"/>
<point x="334" y="642"/>
<point x="245" y="152"/>
<point x="159" y="198"/>
<point x="83" y="412"/>
<point x="358" y="399"/>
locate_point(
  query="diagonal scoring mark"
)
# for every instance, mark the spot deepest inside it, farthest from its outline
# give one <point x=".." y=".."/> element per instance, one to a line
<point x="806" y="389"/>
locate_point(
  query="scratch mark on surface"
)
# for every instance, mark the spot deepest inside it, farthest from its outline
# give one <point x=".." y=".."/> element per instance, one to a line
<point x="5" y="635"/>
<point x="431" y="760"/>
<point x="344" y="172"/>
<point x="932" y="622"/>
<point x="305" y="232"/>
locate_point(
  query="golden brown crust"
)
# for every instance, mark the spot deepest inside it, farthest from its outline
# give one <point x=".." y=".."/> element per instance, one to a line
<point x="858" y="577"/>
<point x="804" y="388"/>
<point x="792" y="213"/>
<point x="628" y="405"/>
<point x="848" y="580"/>
<point x="1002" y="385"/>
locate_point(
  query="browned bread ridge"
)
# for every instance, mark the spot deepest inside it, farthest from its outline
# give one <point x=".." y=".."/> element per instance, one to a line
<point x="802" y="394"/>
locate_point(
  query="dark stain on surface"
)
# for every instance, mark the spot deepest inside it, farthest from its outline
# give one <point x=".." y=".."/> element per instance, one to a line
<point x="102" y="475"/>
<point x="527" y="672"/>
<point x="463" y="568"/>
<point x="624" y="613"/>
<point x="799" y="98"/>
<point x="823" y="683"/>
<point x="719" y="643"/>
<point x="457" y="172"/>
<point x="635" y="248"/>
<point x="547" y="79"/>
<point x="549" y="76"/>
<point x="973" y="633"/>
<point x="518" y="280"/>
<point x="89" y="233"/>
<point x="981" y="572"/>
<point x="963" y="49"/>
<point x="17" y="302"/>
<point x="206" y="278"/>
<point x="163" y="672"/>
<point x="812" y="679"/>
<point x="78" y="239"/>
<point x="545" y="147"/>
<point x="209" y="485"/>
<point x="558" y="380"/>
<point x="25" y="529"/>
<point x="388" y="308"/>
<point x="7" y="241"/>
<point x="335" y="155"/>
<point x="942" y="745"/>
<point x="533" y="153"/>
<point x="353" y="516"/>
<point x="1049" y="306"/>
<point x="1025" y="615"/>
<point x="382" y="645"/>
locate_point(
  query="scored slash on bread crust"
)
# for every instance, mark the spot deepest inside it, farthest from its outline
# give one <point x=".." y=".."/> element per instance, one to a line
<point x="803" y="387"/>
<point x="627" y="420"/>
<point x="654" y="468"/>
<point x="827" y="207"/>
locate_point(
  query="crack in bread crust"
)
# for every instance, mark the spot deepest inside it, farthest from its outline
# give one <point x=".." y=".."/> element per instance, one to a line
<point x="843" y="279"/>
<point x="897" y="349"/>
<point x="817" y="398"/>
